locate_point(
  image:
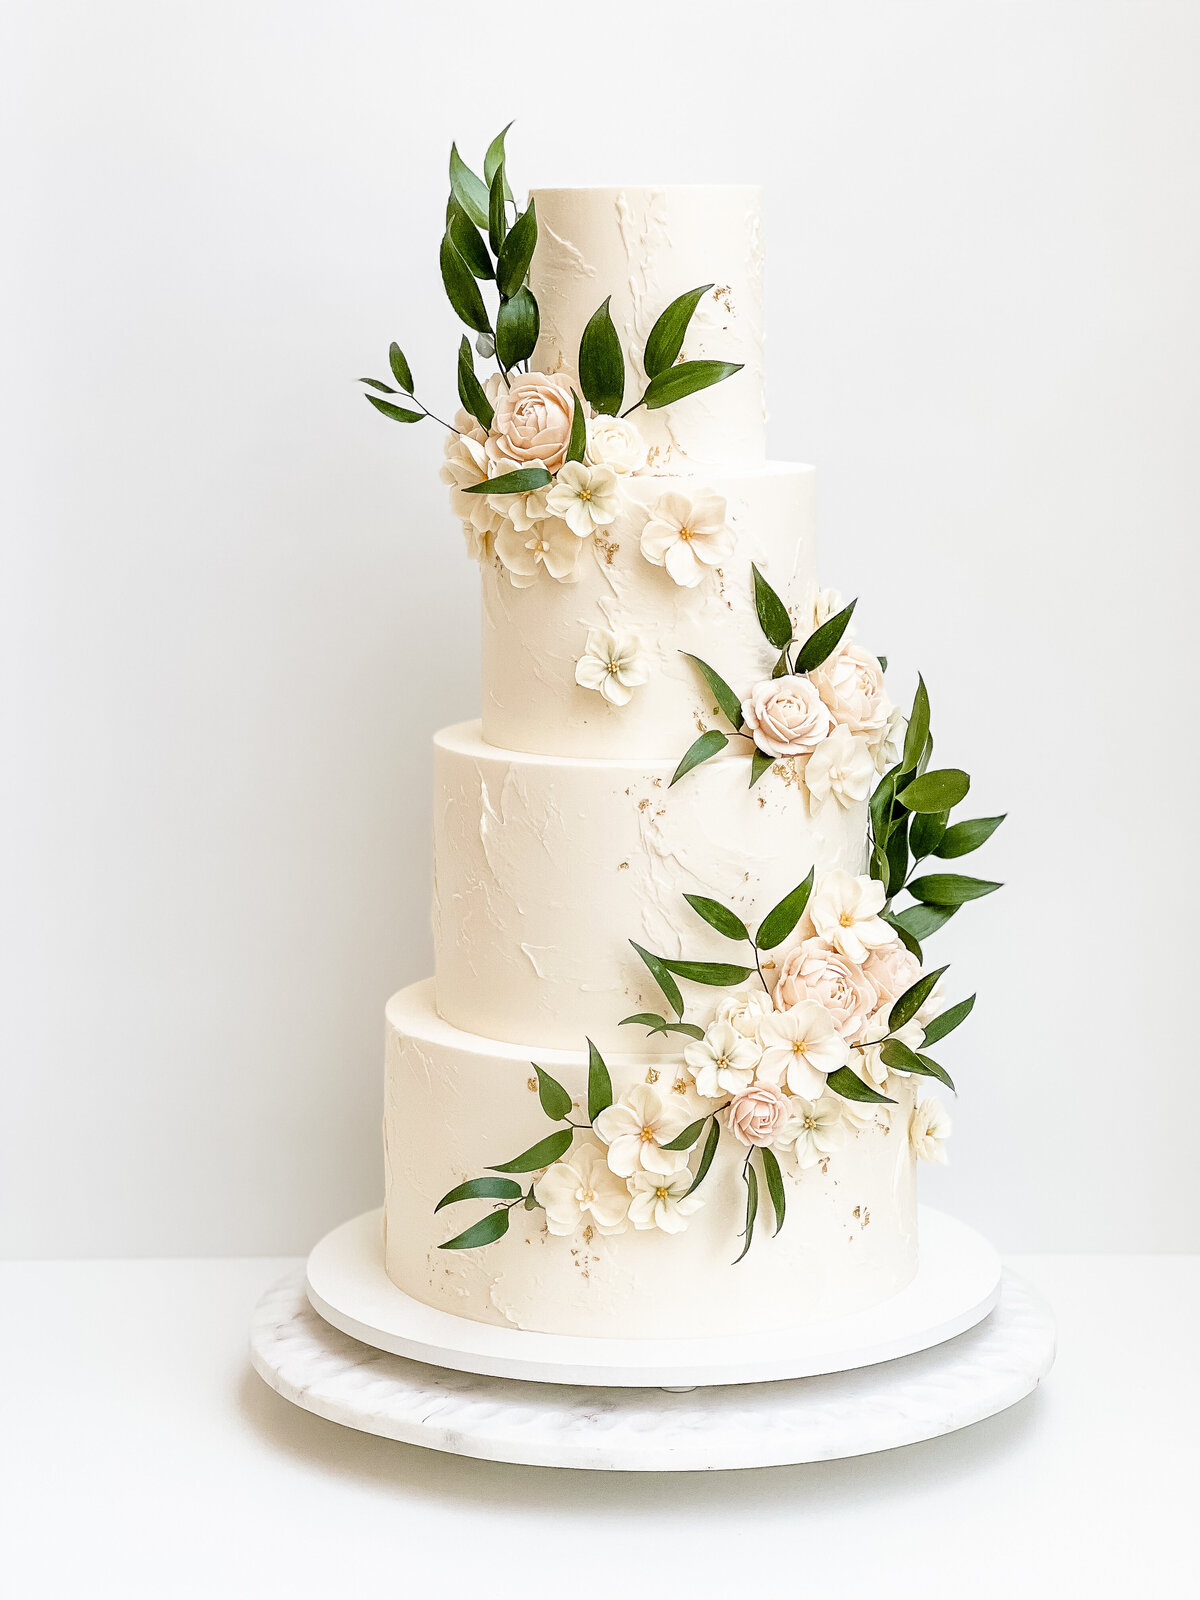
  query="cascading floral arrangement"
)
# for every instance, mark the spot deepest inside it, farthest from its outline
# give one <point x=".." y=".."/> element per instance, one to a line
<point x="787" y="1066"/>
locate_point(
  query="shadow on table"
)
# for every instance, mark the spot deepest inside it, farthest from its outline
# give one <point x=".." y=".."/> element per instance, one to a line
<point x="909" y="1472"/>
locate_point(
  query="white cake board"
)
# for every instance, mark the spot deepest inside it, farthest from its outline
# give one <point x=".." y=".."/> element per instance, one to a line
<point x="936" y="1391"/>
<point x="957" y="1284"/>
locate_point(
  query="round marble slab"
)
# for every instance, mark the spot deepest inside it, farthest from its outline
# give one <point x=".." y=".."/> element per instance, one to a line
<point x="978" y="1373"/>
<point x="956" y="1285"/>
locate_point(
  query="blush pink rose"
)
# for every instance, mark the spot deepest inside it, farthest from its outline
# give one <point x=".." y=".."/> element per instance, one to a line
<point x="851" y="685"/>
<point x="892" y="969"/>
<point x="815" y="971"/>
<point x="758" y="1115"/>
<point x="532" y="424"/>
<point x="787" y="716"/>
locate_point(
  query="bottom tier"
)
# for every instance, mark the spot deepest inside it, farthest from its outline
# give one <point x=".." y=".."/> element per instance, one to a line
<point x="457" y="1104"/>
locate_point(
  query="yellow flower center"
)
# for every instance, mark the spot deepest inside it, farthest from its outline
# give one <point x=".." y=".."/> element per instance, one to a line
<point x="799" y="1047"/>
<point x="647" y="1135"/>
<point x="846" y="920"/>
<point x="810" y="1122"/>
<point x="685" y="532"/>
<point x="588" y="1196"/>
<point x="585" y="494"/>
<point x="722" y="1061"/>
<point x="662" y="1193"/>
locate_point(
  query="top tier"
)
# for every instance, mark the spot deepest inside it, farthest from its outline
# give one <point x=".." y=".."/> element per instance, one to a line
<point x="645" y="247"/>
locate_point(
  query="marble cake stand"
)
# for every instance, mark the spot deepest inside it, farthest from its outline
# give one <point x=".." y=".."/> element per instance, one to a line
<point x="957" y="1285"/>
<point x="962" y="1380"/>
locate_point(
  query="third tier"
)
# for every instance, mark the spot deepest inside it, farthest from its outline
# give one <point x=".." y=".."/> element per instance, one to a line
<point x="533" y="637"/>
<point x="545" y="867"/>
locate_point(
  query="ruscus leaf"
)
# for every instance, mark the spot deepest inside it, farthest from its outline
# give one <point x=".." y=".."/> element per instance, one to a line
<point x="481" y="1189"/>
<point x="519" y="482"/>
<point x="705" y="747"/>
<point x="921" y="921"/>
<point x="400" y="368"/>
<point x="895" y="1054"/>
<point x="599" y="1091"/>
<point x="468" y="189"/>
<point x="850" y="1086"/>
<point x="486" y="1231"/>
<point x="495" y="156"/>
<point x="918" y="728"/>
<point x="397" y="413"/>
<point x="950" y="889"/>
<point x="720" y="974"/>
<point x="668" y="333"/>
<point x="823" y="641"/>
<point x="963" y="837"/>
<point x="935" y="791"/>
<point x="781" y="919"/>
<point x="374" y="383"/>
<point x="906" y="1006"/>
<point x="517" y="252"/>
<point x="686" y="1139"/>
<point x="760" y="762"/>
<point x="718" y="916"/>
<point x="706" y="1155"/>
<point x="948" y="1020"/>
<point x="517" y="325"/>
<point x="773" y="616"/>
<point x="555" y="1100"/>
<point x="470" y="390"/>
<point x="578" y="441"/>
<point x="662" y="978"/>
<point x="601" y="364"/>
<point x="729" y="703"/>
<point x="461" y="289"/>
<point x="751" y="1178"/>
<point x="774" y="1185"/>
<point x="926" y="832"/>
<point x="497" y="214"/>
<point x="467" y="241"/>
<point x="538" y="1155"/>
<point x="676" y="383"/>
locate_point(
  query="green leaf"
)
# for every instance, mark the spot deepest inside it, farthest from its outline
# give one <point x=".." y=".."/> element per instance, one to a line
<point x="895" y="1054"/>
<point x="821" y="644"/>
<point x="721" y="974"/>
<point x="921" y="921"/>
<point x="773" y="617"/>
<point x="538" y="1155"/>
<point x="461" y="289"/>
<point x="600" y="1093"/>
<point x="556" y="1102"/>
<point x="926" y="832"/>
<point x="774" y="1185"/>
<point x="467" y="241"/>
<point x="882" y="660"/>
<point x="497" y="215"/>
<point x="935" y="791"/>
<point x="686" y="1139"/>
<point x="880" y="806"/>
<point x="760" y="762"/>
<point x="486" y="1231"/>
<point x="519" y="482"/>
<point x="662" y="978"/>
<point x="374" y="383"/>
<point x="668" y="333"/>
<point x="906" y="1006"/>
<point x="400" y="368"/>
<point x="578" y="442"/>
<point x="517" y="252"/>
<point x="601" y="364"/>
<point x="851" y="1087"/>
<point x="657" y="1024"/>
<point x="397" y="413"/>
<point x="950" y="889"/>
<point x="918" y="728"/>
<point x="751" y="1178"/>
<point x="902" y="933"/>
<point x="717" y="916"/>
<point x="782" y="667"/>
<point x="781" y="919"/>
<point x="481" y="1189"/>
<point x="706" y="1155"/>
<point x="729" y="703"/>
<point x="495" y="156"/>
<point x="517" y="324"/>
<point x="705" y="747"/>
<point x="676" y="383"/>
<point x="964" y="837"/>
<point x="468" y="189"/>
<point x="949" y="1020"/>
<point x="897" y="854"/>
<point x="470" y="390"/>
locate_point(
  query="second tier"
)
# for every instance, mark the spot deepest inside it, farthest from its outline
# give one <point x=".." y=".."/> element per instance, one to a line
<point x="545" y="867"/>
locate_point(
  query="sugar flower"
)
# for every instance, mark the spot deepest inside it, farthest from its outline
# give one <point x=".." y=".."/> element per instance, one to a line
<point x="723" y="1061"/>
<point x="635" y="1130"/>
<point x="786" y="716"/>
<point x="827" y="604"/>
<point x="615" y="443"/>
<point x="800" y="1048"/>
<point x="745" y="1011"/>
<point x="662" y="1200"/>
<point x="814" y="970"/>
<point x="841" y="769"/>
<point x="551" y="545"/>
<point x="816" y="1130"/>
<point x="586" y="498"/>
<point x="759" y="1115"/>
<point x="582" y="1187"/>
<point x="928" y="1130"/>
<point x="687" y="536"/>
<point x="888" y="744"/>
<point x="844" y="911"/>
<point x="851" y="685"/>
<point x="466" y="464"/>
<point x="531" y="425"/>
<point x="612" y="664"/>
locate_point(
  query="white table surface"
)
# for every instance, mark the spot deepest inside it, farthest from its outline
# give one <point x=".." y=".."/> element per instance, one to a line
<point x="140" y="1455"/>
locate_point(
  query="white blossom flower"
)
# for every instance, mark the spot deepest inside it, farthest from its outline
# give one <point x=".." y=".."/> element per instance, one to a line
<point x="465" y="464"/>
<point x="786" y="716"/>
<point x="635" y="1129"/>
<point x="523" y="512"/>
<point x="723" y="1061"/>
<point x="745" y="1011"/>
<point x="841" y="767"/>
<point x="851" y="684"/>
<point x="582" y="1186"/>
<point x="551" y="545"/>
<point x="687" y="536"/>
<point x="827" y="604"/>
<point x="928" y="1130"/>
<point x="801" y="1047"/>
<point x="661" y="1200"/>
<point x="888" y="744"/>
<point x="816" y="1130"/>
<point x="586" y="498"/>
<point x="868" y="1062"/>
<point x="614" y="442"/>
<point x="612" y="664"/>
<point x="845" y="913"/>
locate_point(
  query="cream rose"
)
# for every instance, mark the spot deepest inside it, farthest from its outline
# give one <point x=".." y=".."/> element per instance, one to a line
<point x="787" y="716"/>
<point x="851" y="685"/>
<point x="532" y="424"/>
<point x="615" y="443"/>
<point x="759" y="1115"/>
<point x="814" y="971"/>
<point x="892" y="969"/>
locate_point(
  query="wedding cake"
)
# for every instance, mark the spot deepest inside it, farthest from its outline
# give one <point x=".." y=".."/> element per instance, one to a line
<point x="671" y="1074"/>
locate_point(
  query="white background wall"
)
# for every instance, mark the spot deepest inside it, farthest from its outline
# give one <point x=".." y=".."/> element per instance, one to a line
<point x="236" y="607"/>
